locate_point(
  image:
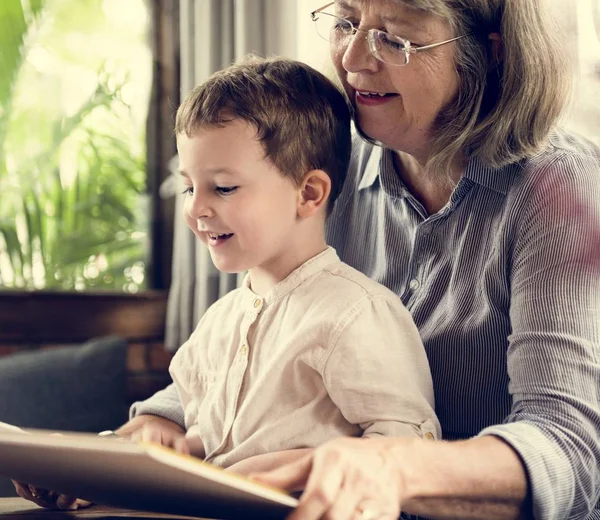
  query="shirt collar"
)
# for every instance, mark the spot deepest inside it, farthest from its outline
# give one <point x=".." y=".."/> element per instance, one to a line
<point x="495" y="179"/>
<point x="309" y="268"/>
<point x="372" y="167"/>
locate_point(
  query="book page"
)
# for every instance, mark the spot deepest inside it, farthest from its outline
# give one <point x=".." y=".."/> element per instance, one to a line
<point x="9" y="428"/>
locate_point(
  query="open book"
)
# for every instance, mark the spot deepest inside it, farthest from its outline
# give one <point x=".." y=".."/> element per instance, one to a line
<point x="142" y="476"/>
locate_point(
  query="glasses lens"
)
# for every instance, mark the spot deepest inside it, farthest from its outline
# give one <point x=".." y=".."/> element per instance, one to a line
<point x="332" y="28"/>
<point x="389" y="48"/>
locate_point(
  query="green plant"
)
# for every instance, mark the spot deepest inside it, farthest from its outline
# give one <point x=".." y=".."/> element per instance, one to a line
<point x="72" y="173"/>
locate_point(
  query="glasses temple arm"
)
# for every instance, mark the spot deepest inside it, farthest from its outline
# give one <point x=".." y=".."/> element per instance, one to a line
<point x="321" y="9"/>
<point x="433" y="45"/>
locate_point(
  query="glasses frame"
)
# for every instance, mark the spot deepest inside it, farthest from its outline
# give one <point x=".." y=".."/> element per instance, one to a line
<point x="408" y="47"/>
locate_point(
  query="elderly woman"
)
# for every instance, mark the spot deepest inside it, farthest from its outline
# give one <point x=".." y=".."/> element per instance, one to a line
<point x="465" y="200"/>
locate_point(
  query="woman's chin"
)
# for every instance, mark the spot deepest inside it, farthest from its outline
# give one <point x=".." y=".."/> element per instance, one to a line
<point x="373" y="133"/>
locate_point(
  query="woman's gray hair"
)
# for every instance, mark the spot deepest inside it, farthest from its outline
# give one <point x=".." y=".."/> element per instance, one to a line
<point x="506" y="106"/>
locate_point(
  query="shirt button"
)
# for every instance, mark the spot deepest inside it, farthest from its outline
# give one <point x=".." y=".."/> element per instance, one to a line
<point x="414" y="284"/>
<point x="257" y="303"/>
<point x="429" y="436"/>
<point x="243" y="350"/>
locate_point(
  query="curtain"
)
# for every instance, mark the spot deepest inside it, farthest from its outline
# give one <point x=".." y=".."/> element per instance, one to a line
<point x="214" y="33"/>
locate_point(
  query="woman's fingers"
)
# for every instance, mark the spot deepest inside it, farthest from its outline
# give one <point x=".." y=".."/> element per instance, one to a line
<point x="182" y="446"/>
<point x="345" y="479"/>
<point x="345" y="505"/>
<point x="322" y="487"/>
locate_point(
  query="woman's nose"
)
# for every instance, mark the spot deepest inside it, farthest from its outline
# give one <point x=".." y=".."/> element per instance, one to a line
<point x="357" y="55"/>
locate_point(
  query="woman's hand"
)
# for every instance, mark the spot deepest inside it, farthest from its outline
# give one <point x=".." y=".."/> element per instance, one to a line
<point x="343" y="479"/>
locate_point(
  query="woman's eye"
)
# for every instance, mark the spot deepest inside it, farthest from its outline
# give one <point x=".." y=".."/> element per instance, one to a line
<point x="343" y="25"/>
<point x="389" y="41"/>
<point x="188" y="191"/>
<point x="226" y="190"/>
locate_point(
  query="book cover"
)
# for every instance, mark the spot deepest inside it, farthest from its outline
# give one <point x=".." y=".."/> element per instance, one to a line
<point x="143" y="476"/>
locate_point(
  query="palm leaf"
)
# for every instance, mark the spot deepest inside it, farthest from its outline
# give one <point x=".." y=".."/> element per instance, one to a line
<point x="14" y="26"/>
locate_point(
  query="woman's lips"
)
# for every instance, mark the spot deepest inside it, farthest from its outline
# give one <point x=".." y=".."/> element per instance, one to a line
<point x="365" y="97"/>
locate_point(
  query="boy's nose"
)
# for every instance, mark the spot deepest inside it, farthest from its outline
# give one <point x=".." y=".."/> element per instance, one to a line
<point x="198" y="209"/>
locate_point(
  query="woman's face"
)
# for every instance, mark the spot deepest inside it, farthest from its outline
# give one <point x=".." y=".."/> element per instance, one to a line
<point x="403" y="118"/>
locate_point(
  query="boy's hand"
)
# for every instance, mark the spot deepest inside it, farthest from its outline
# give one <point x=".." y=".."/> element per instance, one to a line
<point x="160" y="433"/>
<point x="134" y="428"/>
<point x="48" y="499"/>
<point x="142" y="427"/>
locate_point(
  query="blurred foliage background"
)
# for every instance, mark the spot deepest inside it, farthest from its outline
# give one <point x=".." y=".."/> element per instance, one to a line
<point x="75" y="80"/>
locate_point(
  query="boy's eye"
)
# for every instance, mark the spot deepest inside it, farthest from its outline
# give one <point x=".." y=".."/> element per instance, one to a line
<point x="189" y="190"/>
<point x="226" y="190"/>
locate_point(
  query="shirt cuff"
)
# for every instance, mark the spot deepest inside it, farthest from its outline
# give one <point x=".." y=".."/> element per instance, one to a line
<point x="428" y="429"/>
<point x="549" y="472"/>
<point x="161" y="404"/>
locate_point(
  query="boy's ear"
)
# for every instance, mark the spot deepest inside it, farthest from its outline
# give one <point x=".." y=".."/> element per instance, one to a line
<point x="314" y="193"/>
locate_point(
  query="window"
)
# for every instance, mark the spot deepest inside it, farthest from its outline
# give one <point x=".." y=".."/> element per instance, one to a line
<point x="75" y="84"/>
<point x="116" y="64"/>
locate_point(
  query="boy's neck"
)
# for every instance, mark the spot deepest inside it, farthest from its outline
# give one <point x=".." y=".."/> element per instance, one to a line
<point x="263" y="278"/>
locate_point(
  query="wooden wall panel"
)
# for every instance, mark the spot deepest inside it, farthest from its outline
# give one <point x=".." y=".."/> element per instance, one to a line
<point x="44" y="317"/>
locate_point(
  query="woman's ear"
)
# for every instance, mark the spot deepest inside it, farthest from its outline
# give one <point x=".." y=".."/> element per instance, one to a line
<point x="314" y="193"/>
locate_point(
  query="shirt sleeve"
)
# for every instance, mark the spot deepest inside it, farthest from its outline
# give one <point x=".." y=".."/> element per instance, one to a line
<point x="553" y="354"/>
<point x="377" y="371"/>
<point x="164" y="403"/>
<point x="167" y="402"/>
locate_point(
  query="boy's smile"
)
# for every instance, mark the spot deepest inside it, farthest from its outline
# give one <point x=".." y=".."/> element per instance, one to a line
<point x="238" y="203"/>
<point x="215" y="239"/>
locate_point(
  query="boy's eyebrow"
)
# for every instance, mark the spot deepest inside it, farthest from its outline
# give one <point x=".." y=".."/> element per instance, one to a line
<point x="215" y="171"/>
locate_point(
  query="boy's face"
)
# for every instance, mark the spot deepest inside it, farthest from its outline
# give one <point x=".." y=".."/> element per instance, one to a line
<point x="236" y="201"/>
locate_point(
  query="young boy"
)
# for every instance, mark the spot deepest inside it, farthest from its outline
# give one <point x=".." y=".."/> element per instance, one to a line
<point x="308" y="348"/>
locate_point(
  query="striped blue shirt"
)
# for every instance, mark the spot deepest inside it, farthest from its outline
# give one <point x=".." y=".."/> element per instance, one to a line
<point x="504" y="286"/>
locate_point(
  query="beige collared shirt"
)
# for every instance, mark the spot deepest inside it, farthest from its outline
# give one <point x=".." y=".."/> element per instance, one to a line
<point x="327" y="352"/>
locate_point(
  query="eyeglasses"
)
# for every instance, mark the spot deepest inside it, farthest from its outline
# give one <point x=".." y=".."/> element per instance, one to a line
<point x="386" y="47"/>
